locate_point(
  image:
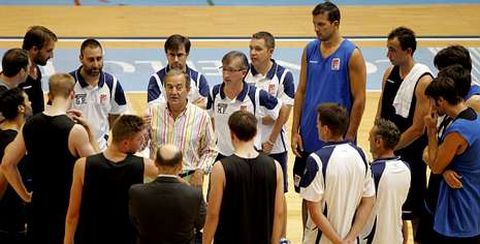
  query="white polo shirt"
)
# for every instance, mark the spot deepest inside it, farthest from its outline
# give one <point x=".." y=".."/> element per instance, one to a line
<point x="278" y="82"/>
<point x="198" y="86"/>
<point x="251" y="99"/>
<point x="392" y="182"/>
<point x="98" y="102"/>
<point x="338" y="176"/>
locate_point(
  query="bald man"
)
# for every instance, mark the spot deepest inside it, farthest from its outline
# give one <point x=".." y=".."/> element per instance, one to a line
<point x="167" y="210"/>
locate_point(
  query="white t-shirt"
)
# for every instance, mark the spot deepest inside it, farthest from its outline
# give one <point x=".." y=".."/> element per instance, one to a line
<point x="338" y="176"/>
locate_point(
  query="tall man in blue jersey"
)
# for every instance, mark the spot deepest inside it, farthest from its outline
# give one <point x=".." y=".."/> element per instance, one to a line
<point x="458" y="205"/>
<point x="332" y="70"/>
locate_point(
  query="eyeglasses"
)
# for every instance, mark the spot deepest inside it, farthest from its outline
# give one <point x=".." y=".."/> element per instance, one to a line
<point x="229" y="70"/>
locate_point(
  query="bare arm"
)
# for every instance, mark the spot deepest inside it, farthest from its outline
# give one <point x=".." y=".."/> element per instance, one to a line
<point x="474" y="102"/>
<point x="361" y="217"/>
<point x="73" y="212"/>
<point x="149" y="169"/>
<point x="78" y="134"/>
<point x="358" y="80"/>
<point x="279" y="207"/>
<point x="296" y="140"/>
<point x="440" y="156"/>
<point x="322" y="222"/>
<point x="421" y="109"/>
<point x="214" y="202"/>
<point x="385" y="77"/>
<point x="14" y="152"/>
<point x="80" y="142"/>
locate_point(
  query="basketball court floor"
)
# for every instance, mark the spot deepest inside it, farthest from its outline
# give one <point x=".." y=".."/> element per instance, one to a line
<point x="133" y="38"/>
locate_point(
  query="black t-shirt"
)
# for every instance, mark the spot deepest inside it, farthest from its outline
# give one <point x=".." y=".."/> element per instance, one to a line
<point x="46" y="140"/>
<point x="104" y="212"/>
<point x="33" y="88"/>
<point x="248" y="204"/>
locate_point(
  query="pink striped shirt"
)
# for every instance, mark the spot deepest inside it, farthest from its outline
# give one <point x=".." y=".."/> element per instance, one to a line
<point x="191" y="132"/>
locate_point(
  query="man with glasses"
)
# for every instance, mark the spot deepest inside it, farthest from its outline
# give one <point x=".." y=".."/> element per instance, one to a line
<point x="235" y="94"/>
<point x="177" y="48"/>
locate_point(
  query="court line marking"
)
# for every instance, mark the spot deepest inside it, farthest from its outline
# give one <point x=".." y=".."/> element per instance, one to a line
<point x="242" y="39"/>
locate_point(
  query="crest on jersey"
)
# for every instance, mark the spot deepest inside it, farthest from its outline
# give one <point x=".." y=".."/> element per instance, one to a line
<point x="80" y="99"/>
<point x="336" y="64"/>
<point x="222" y="108"/>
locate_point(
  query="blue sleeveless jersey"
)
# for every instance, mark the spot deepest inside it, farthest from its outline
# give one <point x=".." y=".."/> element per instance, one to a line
<point x="328" y="81"/>
<point x="458" y="210"/>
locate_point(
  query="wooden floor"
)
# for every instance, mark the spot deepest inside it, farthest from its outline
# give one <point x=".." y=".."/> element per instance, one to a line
<point x="123" y="21"/>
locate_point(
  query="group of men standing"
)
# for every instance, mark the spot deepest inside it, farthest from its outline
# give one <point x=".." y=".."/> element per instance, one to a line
<point x="81" y="190"/>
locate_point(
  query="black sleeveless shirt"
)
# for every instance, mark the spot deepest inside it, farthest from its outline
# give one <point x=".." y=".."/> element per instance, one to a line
<point x="248" y="205"/>
<point x="51" y="163"/>
<point x="388" y="112"/>
<point x="104" y="211"/>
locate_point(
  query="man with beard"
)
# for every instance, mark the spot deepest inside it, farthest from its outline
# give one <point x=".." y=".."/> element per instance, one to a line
<point x="39" y="42"/>
<point x="98" y="94"/>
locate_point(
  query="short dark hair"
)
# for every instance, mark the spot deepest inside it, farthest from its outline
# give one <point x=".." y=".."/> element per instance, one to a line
<point x="236" y="54"/>
<point x="13" y="61"/>
<point x="243" y="125"/>
<point x="335" y="117"/>
<point x="160" y="160"/>
<point x="126" y="126"/>
<point x="388" y="131"/>
<point x="461" y="77"/>
<point x="333" y="12"/>
<point x="443" y="86"/>
<point x="455" y="54"/>
<point x="91" y="43"/>
<point x="267" y="37"/>
<point x="405" y="36"/>
<point x="37" y="36"/>
<point x="175" y="72"/>
<point x="9" y="102"/>
<point x="174" y="42"/>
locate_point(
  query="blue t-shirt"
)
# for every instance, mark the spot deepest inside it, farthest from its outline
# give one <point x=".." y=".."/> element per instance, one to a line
<point x="458" y="210"/>
<point x="328" y="81"/>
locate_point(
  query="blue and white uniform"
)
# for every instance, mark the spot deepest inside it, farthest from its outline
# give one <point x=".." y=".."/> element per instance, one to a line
<point x="392" y="181"/>
<point x="98" y="102"/>
<point x="278" y="82"/>
<point x="198" y="86"/>
<point x="338" y="176"/>
<point x="251" y="99"/>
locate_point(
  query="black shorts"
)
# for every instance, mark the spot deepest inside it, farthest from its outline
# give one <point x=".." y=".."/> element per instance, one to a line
<point x="282" y="159"/>
<point x="414" y="204"/>
<point x="298" y="169"/>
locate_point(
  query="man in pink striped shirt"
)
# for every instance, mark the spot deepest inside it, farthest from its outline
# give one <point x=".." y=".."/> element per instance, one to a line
<point x="185" y="125"/>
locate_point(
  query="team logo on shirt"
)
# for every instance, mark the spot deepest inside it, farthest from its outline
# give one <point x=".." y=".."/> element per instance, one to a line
<point x="103" y="98"/>
<point x="271" y="89"/>
<point x="336" y="64"/>
<point x="80" y="99"/>
<point x="222" y="108"/>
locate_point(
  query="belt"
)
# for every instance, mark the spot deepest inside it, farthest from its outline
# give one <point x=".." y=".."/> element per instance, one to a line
<point x="186" y="173"/>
